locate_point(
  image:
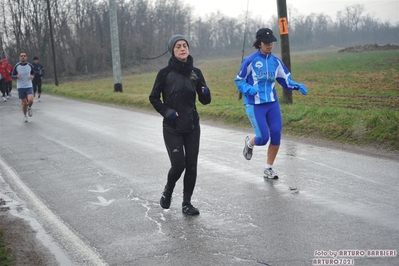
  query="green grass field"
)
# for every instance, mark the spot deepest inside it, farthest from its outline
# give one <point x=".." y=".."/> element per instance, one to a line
<point x="353" y="97"/>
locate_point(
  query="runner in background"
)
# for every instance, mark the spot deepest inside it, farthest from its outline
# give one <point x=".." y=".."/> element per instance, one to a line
<point x="37" y="80"/>
<point x="3" y="87"/>
<point x="9" y="68"/>
<point x="23" y="73"/>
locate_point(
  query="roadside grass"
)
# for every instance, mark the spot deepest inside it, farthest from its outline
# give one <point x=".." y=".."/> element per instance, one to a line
<point x="5" y="255"/>
<point x="353" y="97"/>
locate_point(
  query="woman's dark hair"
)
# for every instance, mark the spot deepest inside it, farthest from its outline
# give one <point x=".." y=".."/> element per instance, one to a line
<point x="257" y="44"/>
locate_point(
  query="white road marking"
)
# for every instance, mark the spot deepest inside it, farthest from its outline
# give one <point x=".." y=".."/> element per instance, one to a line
<point x="103" y="201"/>
<point x="69" y="239"/>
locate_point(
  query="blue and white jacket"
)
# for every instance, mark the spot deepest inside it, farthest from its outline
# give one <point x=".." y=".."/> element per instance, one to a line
<point x="258" y="74"/>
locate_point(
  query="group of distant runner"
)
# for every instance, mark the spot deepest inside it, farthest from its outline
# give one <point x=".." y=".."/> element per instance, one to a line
<point x="29" y="81"/>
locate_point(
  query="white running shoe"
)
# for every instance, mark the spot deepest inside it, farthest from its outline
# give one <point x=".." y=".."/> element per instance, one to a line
<point x="269" y="173"/>
<point x="25" y="119"/>
<point x="30" y="111"/>
<point x="8" y="96"/>
<point x="4" y="99"/>
<point x="247" y="152"/>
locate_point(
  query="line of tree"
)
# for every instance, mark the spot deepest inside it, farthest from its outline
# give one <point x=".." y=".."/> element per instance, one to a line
<point x="82" y="31"/>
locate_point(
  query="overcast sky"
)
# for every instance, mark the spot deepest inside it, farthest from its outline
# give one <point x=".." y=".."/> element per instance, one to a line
<point x="385" y="10"/>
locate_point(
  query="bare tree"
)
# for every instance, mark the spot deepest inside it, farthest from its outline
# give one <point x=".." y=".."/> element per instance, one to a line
<point x="351" y="17"/>
<point x="323" y="33"/>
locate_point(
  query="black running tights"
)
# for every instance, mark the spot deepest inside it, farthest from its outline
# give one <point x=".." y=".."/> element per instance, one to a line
<point x="183" y="154"/>
<point x="37" y="85"/>
<point x="3" y="87"/>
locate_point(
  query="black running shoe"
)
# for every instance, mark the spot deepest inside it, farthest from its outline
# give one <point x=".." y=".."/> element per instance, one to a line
<point x="189" y="209"/>
<point x="166" y="199"/>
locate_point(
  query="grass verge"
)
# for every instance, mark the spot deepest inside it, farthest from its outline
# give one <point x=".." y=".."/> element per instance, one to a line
<point x="5" y="255"/>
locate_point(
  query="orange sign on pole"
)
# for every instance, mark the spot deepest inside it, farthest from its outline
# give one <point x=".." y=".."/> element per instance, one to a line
<point x="282" y="22"/>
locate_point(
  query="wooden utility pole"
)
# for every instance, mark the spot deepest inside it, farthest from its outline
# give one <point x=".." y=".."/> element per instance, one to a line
<point x="52" y="42"/>
<point x="116" y="61"/>
<point x="284" y="43"/>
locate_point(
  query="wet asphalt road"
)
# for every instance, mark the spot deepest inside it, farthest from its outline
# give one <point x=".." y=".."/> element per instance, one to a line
<point x="92" y="176"/>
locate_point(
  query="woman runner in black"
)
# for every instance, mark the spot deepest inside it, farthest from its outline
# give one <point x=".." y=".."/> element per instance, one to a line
<point x="178" y="84"/>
